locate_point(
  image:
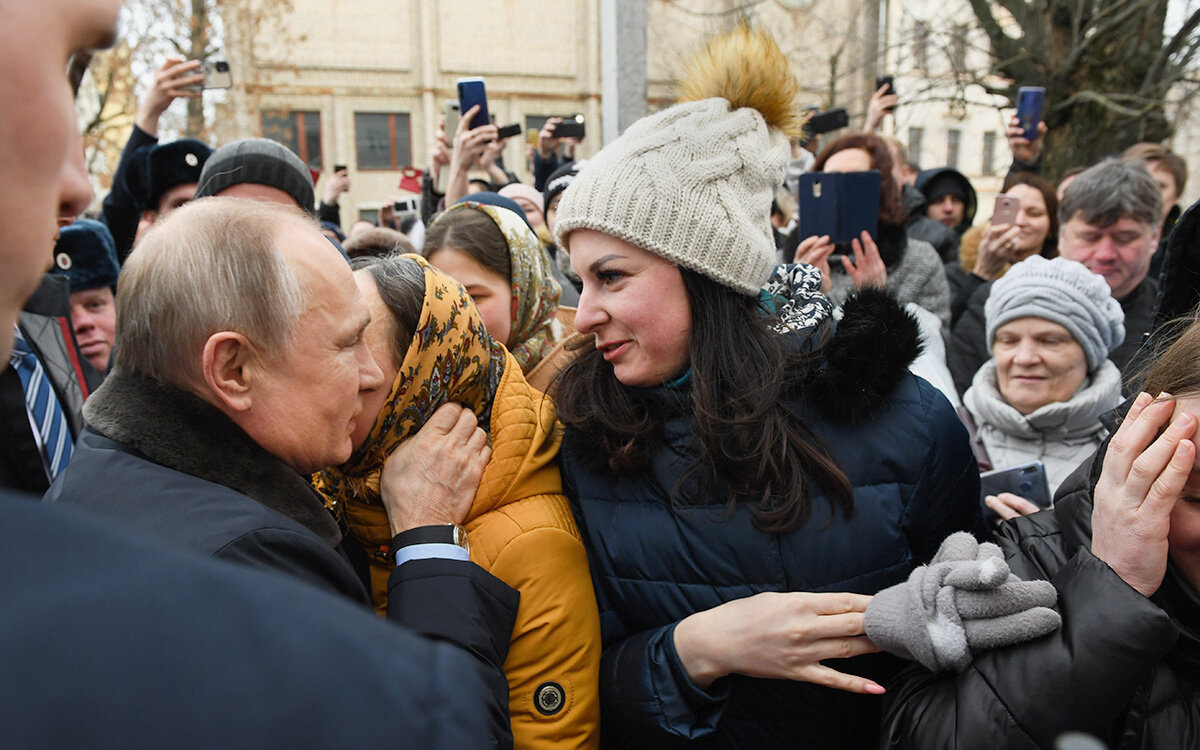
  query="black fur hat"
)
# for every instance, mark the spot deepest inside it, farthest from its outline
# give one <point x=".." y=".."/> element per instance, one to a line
<point x="157" y="168"/>
<point x="87" y="255"/>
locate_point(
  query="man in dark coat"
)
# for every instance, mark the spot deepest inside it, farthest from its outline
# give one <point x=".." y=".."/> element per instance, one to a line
<point x="109" y="638"/>
<point x="949" y="197"/>
<point x="1109" y="221"/>
<point x="219" y="407"/>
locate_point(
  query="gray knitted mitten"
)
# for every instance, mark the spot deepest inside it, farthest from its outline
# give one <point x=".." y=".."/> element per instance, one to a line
<point x="964" y="600"/>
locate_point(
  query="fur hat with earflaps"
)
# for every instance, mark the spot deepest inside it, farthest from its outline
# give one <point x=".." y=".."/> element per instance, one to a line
<point x="694" y="182"/>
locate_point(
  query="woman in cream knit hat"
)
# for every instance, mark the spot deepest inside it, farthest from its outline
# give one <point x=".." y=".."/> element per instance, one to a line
<point x="725" y="451"/>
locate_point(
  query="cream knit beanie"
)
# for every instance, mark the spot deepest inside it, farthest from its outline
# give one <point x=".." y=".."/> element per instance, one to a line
<point x="694" y="183"/>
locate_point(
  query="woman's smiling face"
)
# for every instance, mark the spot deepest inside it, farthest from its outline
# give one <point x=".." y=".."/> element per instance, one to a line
<point x="636" y="305"/>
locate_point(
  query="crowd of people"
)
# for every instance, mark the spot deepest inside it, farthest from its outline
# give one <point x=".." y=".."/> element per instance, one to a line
<point x="616" y="459"/>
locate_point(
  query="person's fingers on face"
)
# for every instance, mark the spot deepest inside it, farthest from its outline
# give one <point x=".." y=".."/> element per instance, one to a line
<point x="1150" y="464"/>
<point x="1134" y="434"/>
<point x="1169" y="485"/>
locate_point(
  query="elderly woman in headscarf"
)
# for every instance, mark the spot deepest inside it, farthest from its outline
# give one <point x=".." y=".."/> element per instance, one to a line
<point x="492" y="252"/>
<point x="1051" y="325"/>
<point x="429" y="339"/>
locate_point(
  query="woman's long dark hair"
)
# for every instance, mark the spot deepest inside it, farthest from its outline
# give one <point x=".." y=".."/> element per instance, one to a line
<point x="753" y="448"/>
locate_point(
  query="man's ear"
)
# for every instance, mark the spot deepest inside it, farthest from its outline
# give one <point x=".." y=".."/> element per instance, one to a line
<point x="228" y="365"/>
<point x="149" y="216"/>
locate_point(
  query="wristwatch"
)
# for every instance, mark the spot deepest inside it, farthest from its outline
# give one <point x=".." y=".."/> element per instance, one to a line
<point x="446" y="533"/>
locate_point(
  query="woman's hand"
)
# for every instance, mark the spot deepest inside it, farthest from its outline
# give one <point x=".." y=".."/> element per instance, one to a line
<point x="996" y="246"/>
<point x="439" y="152"/>
<point x="777" y="636"/>
<point x="882" y="102"/>
<point x="1140" y="483"/>
<point x="547" y="144"/>
<point x="469" y="145"/>
<point x="815" y="251"/>
<point x="867" y="270"/>
<point x="432" y="477"/>
<point x="172" y="81"/>
<point x="1007" y="505"/>
<point x="1023" y="149"/>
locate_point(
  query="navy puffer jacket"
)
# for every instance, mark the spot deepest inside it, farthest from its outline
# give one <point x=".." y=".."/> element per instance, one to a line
<point x="914" y="482"/>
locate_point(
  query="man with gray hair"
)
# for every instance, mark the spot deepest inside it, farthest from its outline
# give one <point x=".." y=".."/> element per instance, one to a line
<point x="1109" y="220"/>
<point x="219" y="406"/>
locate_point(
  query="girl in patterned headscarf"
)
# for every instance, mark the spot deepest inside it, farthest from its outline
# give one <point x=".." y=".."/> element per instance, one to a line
<point x="492" y="252"/>
<point x="429" y="339"/>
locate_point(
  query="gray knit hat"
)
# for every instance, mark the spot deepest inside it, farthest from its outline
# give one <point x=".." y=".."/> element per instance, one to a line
<point x="259" y="161"/>
<point x="1064" y="292"/>
<point x="694" y="183"/>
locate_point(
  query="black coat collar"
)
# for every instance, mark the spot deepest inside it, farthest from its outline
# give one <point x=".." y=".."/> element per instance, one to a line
<point x="179" y="430"/>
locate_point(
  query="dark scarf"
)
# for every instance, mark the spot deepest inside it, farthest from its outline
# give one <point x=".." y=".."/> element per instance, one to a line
<point x="181" y="431"/>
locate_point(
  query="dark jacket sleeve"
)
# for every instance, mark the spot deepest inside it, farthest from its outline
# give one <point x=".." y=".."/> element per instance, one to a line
<point x="968" y="341"/>
<point x="1080" y="678"/>
<point x="1034" y="166"/>
<point x="299" y="555"/>
<point x="458" y="602"/>
<point x="119" y="211"/>
<point x="946" y="496"/>
<point x="646" y="696"/>
<point x="429" y="198"/>
<point x="330" y="213"/>
<point x="543" y="168"/>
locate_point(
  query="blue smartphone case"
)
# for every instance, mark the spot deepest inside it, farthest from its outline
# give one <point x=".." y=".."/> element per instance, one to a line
<point x="1029" y="109"/>
<point x="471" y="91"/>
<point x="839" y="204"/>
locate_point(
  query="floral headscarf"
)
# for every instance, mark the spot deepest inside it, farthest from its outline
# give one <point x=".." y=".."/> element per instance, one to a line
<point x="535" y="292"/>
<point x="451" y="358"/>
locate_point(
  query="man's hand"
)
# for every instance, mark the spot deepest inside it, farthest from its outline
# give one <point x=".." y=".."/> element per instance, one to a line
<point x="335" y="184"/>
<point x="432" y="477"/>
<point x="170" y="83"/>
<point x="1142" y="479"/>
<point x="1024" y="150"/>
<point x="547" y="144"/>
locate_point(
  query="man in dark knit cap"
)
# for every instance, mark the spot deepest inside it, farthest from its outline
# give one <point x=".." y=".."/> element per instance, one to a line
<point x="258" y="169"/>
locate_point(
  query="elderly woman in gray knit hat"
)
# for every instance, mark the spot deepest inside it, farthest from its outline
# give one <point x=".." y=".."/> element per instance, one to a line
<point x="1050" y="326"/>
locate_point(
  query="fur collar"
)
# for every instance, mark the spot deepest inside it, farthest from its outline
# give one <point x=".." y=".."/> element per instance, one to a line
<point x="181" y="431"/>
<point x="867" y="357"/>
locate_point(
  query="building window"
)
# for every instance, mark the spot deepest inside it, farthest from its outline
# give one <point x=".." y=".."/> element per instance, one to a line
<point x="914" y="144"/>
<point x="369" y="214"/>
<point x="299" y="131"/>
<point x="921" y="45"/>
<point x="382" y="140"/>
<point x="989" y="151"/>
<point x="953" y="137"/>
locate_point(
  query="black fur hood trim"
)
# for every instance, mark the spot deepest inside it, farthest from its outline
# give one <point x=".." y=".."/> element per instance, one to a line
<point x="868" y="355"/>
<point x="181" y="431"/>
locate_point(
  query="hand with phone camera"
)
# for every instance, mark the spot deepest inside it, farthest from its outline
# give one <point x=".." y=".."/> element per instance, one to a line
<point x="336" y="183"/>
<point x="174" y="79"/>
<point x="469" y="145"/>
<point x="998" y="242"/>
<point x="883" y="102"/>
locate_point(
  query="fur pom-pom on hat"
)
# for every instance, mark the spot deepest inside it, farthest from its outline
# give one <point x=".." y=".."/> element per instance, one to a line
<point x="694" y="182"/>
